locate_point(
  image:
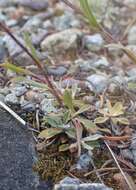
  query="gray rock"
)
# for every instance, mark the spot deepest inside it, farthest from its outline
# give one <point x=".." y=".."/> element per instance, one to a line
<point x="23" y="59"/>
<point x="84" y="162"/>
<point x="11" y="22"/>
<point x="133" y="147"/>
<point x="20" y="90"/>
<point x="32" y="25"/>
<point x="93" y="186"/>
<point x="47" y="106"/>
<point x="17" y="156"/>
<point x="58" y="71"/>
<point x="27" y="106"/>
<point x="102" y="62"/>
<point x="2" y="97"/>
<point x="93" y="42"/>
<point x="74" y="184"/>
<point x="10" y="73"/>
<point x="38" y="37"/>
<point x="33" y="4"/>
<point x="3" y="50"/>
<point x="69" y="180"/>
<point x="47" y="24"/>
<point x="97" y="82"/>
<point x="5" y="91"/>
<point x="131" y="72"/>
<point x="11" y="99"/>
<point x="66" y="21"/>
<point x="12" y="46"/>
<point x="126" y="153"/>
<point x="62" y="41"/>
<point x="5" y="3"/>
<point x="85" y="65"/>
<point x="3" y="17"/>
<point x="132" y="36"/>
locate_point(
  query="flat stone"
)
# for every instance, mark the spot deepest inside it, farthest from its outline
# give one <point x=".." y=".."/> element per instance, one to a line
<point x="97" y="82"/>
<point x="62" y="41"/>
<point x="57" y="71"/>
<point x="17" y="156"/>
<point x="67" y="20"/>
<point x="94" y="42"/>
<point x="132" y="36"/>
<point x="33" y="4"/>
<point x="74" y="184"/>
<point x="12" y="99"/>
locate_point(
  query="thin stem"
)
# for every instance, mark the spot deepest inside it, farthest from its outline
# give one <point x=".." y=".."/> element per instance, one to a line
<point x="123" y="174"/>
<point x="53" y="90"/>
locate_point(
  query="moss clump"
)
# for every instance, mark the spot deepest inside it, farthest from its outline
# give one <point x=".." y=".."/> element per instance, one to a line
<point x="53" y="165"/>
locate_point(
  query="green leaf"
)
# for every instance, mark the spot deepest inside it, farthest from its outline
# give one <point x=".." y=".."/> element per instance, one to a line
<point x="81" y="110"/>
<point x="90" y="145"/>
<point x="30" y="45"/>
<point x="100" y="120"/>
<point x="16" y="69"/>
<point x="30" y="82"/>
<point x="92" y="138"/>
<point x="54" y="120"/>
<point x="67" y="98"/>
<point x="63" y="147"/>
<point x="49" y="133"/>
<point x="86" y="146"/>
<point x="89" y="14"/>
<point x="71" y="132"/>
<point x="123" y="120"/>
<point x="66" y="116"/>
<point x="117" y="109"/>
<point x="89" y="125"/>
<point x="132" y="85"/>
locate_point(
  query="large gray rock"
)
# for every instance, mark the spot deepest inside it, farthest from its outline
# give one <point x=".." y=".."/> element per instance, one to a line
<point x="17" y="156"/>
<point x="97" y="82"/>
<point x="62" y="41"/>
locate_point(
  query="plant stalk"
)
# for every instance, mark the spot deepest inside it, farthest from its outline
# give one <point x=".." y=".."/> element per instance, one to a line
<point x="53" y="89"/>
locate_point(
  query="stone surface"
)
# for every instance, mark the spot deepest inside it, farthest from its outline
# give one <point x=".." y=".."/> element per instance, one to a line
<point x="84" y="65"/>
<point x="16" y="156"/>
<point x="32" y="25"/>
<point x="3" y="50"/>
<point x="47" y="106"/>
<point x="83" y="163"/>
<point x="132" y="36"/>
<point x="33" y="4"/>
<point x="58" y="71"/>
<point x="133" y="147"/>
<point x="61" y="41"/>
<point x="68" y="20"/>
<point x="93" y="42"/>
<point x="2" y="97"/>
<point x="69" y="183"/>
<point x="12" y="46"/>
<point x="97" y="82"/>
<point x="11" y="99"/>
<point x="102" y="62"/>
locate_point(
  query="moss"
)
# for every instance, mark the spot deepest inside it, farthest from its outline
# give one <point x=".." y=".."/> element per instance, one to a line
<point x="53" y="165"/>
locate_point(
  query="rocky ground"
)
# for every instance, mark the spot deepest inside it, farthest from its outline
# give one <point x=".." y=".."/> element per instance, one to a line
<point x="92" y="132"/>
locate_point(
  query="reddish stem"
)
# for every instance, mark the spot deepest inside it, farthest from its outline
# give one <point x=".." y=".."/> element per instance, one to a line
<point x="53" y="90"/>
